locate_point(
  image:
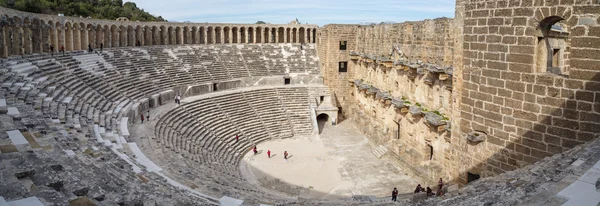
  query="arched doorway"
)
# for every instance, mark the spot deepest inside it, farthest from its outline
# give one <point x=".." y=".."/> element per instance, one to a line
<point x="322" y="120"/>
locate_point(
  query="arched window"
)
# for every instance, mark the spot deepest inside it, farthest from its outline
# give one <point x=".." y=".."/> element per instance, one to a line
<point x="551" y="46"/>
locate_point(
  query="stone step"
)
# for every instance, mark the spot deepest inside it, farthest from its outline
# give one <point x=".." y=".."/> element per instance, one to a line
<point x="379" y="151"/>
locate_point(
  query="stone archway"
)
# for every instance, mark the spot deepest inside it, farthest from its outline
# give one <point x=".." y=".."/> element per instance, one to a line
<point x="322" y="121"/>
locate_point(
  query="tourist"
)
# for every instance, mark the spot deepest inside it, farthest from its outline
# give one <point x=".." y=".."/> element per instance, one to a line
<point x="101" y="46"/>
<point x="285" y="154"/>
<point x="90" y="48"/>
<point x="138" y="43"/>
<point x="142" y="118"/>
<point x="429" y="191"/>
<point x="269" y="153"/>
<point x="51" y="49"/>
<point x="237" y="138"/>
<point x="62" y="49"/>
<point x="148" y="115"/>
<point x="440" y="185"/>
<point x="394" y="194"/>
<point x="419" y="189"/>
<point x="255" y="150"/>
<point x="178" y="99"/>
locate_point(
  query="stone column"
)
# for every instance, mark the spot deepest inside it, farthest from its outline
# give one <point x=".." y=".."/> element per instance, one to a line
<point x="54" y="37"/>
<point x="253" y="40"/>
<point x="220" y="35"/>
<point x="27" y="44"/>
<point x="91" y="35"/>
<point x="77" y="40"/>
<point x="68" y="38"/>
<point x="123" y="37"/>
<point x="45" y="38"/>
<point x="3" y="48"/>
<point x="148" y="40"/>
<point x="203" y="35"/>
<point x="18" y="43"/>
<point x="212" y="35"/>
<point x="305" y="36"/>
<point x="230" y="36"/>
<point x="84" y="39"/>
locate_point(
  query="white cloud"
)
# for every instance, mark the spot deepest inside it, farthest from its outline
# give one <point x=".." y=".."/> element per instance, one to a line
<point x="310" y="11"/>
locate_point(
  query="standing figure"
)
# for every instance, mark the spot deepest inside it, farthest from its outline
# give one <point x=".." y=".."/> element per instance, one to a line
<point x="237" y="138"/>
<point x="52" y="49"/>
<point x="90" y="48"/>
<point x="285" y="154"/>
<point x="394" y="194"/>
<point x="440" y="185"/>
<point x="269" y="153"/>
<point x="101" y="46"/>
<point x="148" y="115"/>
<point x="255" y="150"/>
<point x="62" y="49"/>
<point x="142" y="118"/>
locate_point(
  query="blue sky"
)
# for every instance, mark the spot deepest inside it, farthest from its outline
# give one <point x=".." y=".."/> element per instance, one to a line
<point x="319" y="12"/>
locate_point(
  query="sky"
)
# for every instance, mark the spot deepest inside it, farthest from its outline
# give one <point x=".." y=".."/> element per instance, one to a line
<point x="320" y="12"/>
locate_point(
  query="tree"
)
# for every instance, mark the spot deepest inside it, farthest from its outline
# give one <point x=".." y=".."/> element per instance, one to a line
<point x="261" y="22"/>
<point x="100" y="9"/>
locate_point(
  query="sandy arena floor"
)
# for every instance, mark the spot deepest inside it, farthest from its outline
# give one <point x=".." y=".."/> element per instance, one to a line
<point x="336" y="163"/>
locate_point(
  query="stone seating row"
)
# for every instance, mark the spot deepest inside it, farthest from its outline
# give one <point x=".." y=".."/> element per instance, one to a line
<point x="61" y="166"/>
<point x="211" y="124"/>
<point x="81" y="91"/>
<point x="55" y="90"/>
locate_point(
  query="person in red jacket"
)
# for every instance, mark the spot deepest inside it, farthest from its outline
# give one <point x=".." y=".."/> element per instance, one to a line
<point x="269" y="153"/>
<point x="142" y="118"/>
<point x="255" y="150"/>
<point x="237" y="138"/>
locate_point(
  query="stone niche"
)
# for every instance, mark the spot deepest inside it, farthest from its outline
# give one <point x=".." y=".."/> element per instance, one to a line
<point x="552" y="43"/>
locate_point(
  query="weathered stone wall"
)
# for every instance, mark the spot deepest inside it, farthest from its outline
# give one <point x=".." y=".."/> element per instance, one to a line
<point x="24" y="33"/>
<point x="329" y="38"/>
<point x="528" y="109"/>
<point x="409" y="137"/>
<point x="525" y="77"/>
<point x="428" y="40"/>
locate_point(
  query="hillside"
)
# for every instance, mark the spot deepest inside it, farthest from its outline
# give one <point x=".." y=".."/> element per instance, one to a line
<point x="97" y="9"/>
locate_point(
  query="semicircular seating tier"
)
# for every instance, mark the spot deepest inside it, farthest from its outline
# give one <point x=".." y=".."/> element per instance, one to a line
<point x="60" y="111"/>
<point x="200" y="135"/>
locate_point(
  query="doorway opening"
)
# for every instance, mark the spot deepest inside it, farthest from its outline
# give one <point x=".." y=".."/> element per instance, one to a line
<point x="472" y="177"/>
<point x="215" y="87"/>
<point x="430" y="150"/>
<point x="322" y="121"/>
<point x="287" y="81"/>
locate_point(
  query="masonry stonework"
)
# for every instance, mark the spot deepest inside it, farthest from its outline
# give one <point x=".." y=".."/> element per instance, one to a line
<point x="23" y="33"/>
<point x="524" y="84"/>
<point x="504" y="84"/>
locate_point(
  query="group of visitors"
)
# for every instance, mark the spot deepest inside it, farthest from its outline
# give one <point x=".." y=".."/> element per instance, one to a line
<point x="420" y="189"/>
<point x="147" y="116"/>
<point x="255" y="150"/>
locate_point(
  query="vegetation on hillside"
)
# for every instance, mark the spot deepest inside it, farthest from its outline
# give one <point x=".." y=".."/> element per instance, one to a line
<point x="97" y="9"/>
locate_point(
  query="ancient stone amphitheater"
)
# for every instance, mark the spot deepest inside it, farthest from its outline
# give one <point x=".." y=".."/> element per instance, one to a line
<point x="502" y="102"/>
